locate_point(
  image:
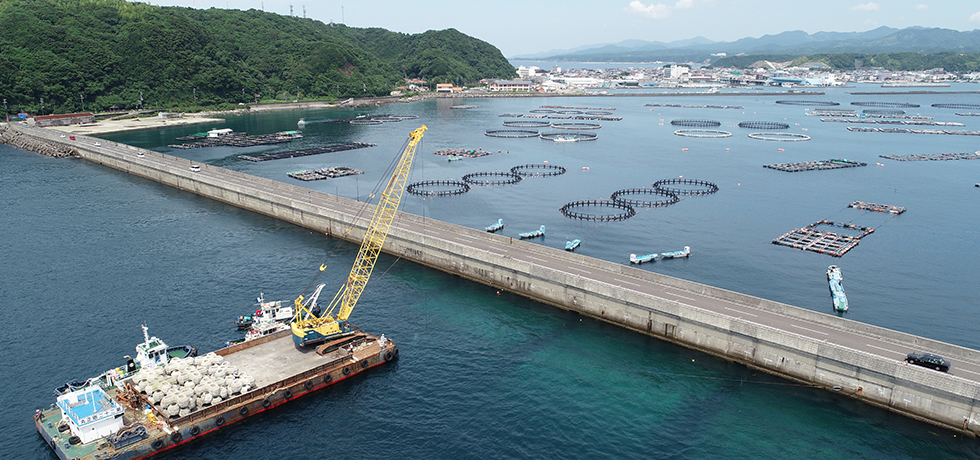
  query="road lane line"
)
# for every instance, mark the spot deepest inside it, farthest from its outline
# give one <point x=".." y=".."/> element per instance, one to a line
<point x="678" y="295"/>
<point x="535" y="258"/>
<point x="964" y="370"/>
<point x="811" y="330"/>
<point x="579" y="270"/>
<point x="740" y="311"/>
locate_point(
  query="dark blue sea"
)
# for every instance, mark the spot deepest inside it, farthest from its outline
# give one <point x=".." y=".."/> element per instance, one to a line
<point x="90" y="253"/>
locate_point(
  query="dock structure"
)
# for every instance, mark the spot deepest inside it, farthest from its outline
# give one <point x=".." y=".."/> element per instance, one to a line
<point x="876" y="207"/>
<point x="833" y="244"/>
<point x="859" y="360"/>
<point x="307" y="152"/>
<point x="237" y="140"/>
<point x="817" y="165"/>
<point x="934" y="156"/>
<point x="953" y="132"/>
<point x="324" y="173"/>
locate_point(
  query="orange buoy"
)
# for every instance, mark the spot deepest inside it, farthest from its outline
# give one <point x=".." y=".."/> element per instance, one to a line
<point x="683" y="150"/>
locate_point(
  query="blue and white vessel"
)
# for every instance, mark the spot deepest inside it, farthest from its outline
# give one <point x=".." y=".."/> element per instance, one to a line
<point x="534" y="234"/>
<point x="834" y="279"/>
<point x="571" y="245"/>
<point x="676" y="254"/>
<point x="499" y="225"/>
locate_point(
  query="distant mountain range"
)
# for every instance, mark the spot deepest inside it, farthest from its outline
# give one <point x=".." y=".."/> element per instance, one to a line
<point x="796" y="42"/>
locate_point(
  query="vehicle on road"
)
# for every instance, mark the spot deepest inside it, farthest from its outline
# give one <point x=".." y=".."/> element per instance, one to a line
<point x="195" y="168"/>
<point x="928" y="360"/>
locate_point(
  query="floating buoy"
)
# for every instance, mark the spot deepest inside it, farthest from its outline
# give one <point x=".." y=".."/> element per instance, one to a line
<point x="683" y="150"/>
<point x="782" y="150"/>
<point x="545" y="162"/>
<point x="681" y="177"/>
<point x="727" y="150"/>
<point x="739" y="184"/>
<point x="661" y="124"/>
<point x="585" y="168"/>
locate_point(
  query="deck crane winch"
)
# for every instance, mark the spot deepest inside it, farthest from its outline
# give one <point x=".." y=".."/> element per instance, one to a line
<point x="310" y="327"/>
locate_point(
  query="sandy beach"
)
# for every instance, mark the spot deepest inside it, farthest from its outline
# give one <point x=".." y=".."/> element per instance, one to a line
<point x="133" y="124"/>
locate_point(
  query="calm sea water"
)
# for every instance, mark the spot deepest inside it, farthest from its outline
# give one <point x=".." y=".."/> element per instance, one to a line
<point x="91" y="253"/>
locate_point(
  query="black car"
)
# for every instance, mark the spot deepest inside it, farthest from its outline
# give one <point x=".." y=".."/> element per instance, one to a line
<point x="928" y="360"/>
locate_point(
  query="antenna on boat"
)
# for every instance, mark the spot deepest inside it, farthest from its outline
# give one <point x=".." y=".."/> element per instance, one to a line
<point x="146" y="336"/>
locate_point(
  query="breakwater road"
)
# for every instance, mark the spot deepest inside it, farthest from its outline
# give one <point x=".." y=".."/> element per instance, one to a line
<point x="856" y="359"/>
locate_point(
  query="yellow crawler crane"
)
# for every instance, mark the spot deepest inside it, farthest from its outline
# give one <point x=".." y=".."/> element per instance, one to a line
<point x="310" y="327"/>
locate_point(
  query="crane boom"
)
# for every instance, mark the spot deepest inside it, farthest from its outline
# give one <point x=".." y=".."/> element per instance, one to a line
<point x="310" y="327"/>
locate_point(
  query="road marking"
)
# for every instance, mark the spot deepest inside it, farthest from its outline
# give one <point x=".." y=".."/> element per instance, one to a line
<point x="467" y="236"/>
<point x="678" y="295"/>
<point x="740" y="311"/>
<point x="626" y="282"/>
<point x="579" y="270"/>
<point x="805" y="329"/>
<point x="885" y="349"/>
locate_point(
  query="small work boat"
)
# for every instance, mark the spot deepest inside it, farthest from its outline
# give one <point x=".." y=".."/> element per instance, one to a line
<point x="266" y="311"/>
<point x="534" y="234"/>
<point x="647" y="258"/>
<point x="571" y="245"/>
<point x="499" y="225"/>
<point x="454" y="158"/>
<point x="677" y="254"/>
<point x="834" y="279"/>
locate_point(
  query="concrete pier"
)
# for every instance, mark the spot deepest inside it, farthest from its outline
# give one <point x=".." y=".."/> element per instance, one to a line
<point x="859" y="360"/>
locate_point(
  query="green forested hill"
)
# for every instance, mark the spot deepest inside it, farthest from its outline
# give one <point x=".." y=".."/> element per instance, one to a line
<point x="109" y="52"/>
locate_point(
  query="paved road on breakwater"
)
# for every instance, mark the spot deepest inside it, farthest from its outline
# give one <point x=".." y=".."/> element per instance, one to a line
<point x="842" y="350"/>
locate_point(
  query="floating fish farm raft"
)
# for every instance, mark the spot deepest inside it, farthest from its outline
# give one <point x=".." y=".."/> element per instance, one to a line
<point x="819" y="165"/>
<point x="934" y="156"/>
<point x="468" y="153"/>
<point x="592" y="210"/>
<point x="968" y="114"/>
<point x="689" y="187"/>
<point x="736" y="107"/>
<point x="325" y="173"/>
<point x="669" y="198"/>
<point x="593" y="116"/>
<point x="810" y="103"/>
<point x="872" y="114"/>
<point x="368" y="120"/>
<point x="438" y="188"/>
<point x="832" y="244"/>
<point x="696" y="123"/>
<point x="957" y="106"/>
<point x="763" y="125"/>
<point x="569" y="137"/>
<point x="702" y="133"/>
<point x="952" y="132"/>
<point x="576" y="125"/>
<point x="876" y="207"/>
<point x="307" y="152"/>
<point x="237" y="140"/>
<point x="527" y="124"/>
<point x="577" y="108"/>
<point x="894" y="122"/>
<point x="780" y="137"/>
<point x="894" y="105"/>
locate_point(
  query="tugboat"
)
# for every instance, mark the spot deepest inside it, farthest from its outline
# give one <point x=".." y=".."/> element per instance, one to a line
<point x="834" y="279"/>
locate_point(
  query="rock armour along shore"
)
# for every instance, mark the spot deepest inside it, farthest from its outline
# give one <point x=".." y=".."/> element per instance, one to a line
<point x="16" y="139"/>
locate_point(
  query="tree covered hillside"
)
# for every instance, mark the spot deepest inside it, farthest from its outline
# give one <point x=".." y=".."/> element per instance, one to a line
<point x="104" y="53"/>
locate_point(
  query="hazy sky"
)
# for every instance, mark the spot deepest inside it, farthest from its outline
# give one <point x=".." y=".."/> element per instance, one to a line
<point x="531" y="26"/>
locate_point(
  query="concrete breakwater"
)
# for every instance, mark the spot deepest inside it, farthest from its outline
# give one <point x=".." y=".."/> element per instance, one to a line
<point x="856" y="359"/>
<point x="18" y="139"/>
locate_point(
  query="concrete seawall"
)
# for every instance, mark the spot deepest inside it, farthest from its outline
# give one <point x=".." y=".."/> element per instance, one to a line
<point x="739" y="330"/>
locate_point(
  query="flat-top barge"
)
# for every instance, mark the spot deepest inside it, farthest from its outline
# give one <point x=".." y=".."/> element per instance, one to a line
<point x="112" y="418"/>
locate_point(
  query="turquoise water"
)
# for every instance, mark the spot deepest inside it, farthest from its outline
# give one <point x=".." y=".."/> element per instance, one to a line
<point x="92" y="253"/>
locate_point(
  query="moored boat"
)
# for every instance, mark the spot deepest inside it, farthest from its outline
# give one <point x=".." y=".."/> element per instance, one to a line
<point x="534" y="234"/>
<point x="676" y="254"/>
<point x="641" y="259"/>
<point x="571" y="245"/>
<point x="834" y="280"/>
<point x="497" y="226"/>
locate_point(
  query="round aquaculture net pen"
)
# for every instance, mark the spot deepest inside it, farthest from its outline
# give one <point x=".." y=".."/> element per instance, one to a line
<point x="597" y="210"/>
<point x="538" y="170"/>
<point x="576" y="125"/>
<point x="783" y="137"/>
<point x="696" y="123"/>
<point x="810" y="103"/>
<point x="512" y="133"/>
<point x="763" y="125"/>
<point x="623" y="196"/>
<point x="598" y="112"/>
<point x="894" y="105"/>
<point x="543" y="111"/>
<point x="702" y="133"/>
<point x="527" y="124"/>
<point x="957" y="106"/>
<point x="569" y="137"/>
<point x="366" y="122"/>
<point x="690" y="187"/>
<point x="438" y="188"/>
<point x="492" y="178"/>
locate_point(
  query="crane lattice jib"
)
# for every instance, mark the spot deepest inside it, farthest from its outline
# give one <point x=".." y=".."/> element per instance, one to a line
<point x="374" y="238"/>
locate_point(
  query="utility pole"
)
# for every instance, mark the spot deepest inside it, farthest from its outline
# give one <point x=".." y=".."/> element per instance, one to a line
<point x="304" y="11"/>
<point x="5" y="114"/>
<point x="42" y="106"/>
<point x="290" y="10"/>
<point x="81" y="100"/>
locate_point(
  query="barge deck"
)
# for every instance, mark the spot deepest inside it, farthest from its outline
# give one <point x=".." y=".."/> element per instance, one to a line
<point x="282" y="373"/>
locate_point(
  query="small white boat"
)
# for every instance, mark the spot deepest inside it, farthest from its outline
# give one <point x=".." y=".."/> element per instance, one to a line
<point x="497" y="226"/>
<point x="571" y="245"/>
<point x="677" y="254"/>
<point x="534" y="234"/>
<point x="647" y="258"/>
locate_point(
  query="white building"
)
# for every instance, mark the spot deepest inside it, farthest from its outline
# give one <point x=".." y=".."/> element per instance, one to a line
<point x="676" y="72"/>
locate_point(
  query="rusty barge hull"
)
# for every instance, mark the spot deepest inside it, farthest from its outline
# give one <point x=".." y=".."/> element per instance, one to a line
<point x="283" y="373"/>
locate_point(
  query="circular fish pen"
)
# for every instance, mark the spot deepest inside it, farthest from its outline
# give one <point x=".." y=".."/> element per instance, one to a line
<point x="690" y="187"/>
<point x="389" y="119"/>
<point x="569" y="137"/>
<point x="597" y="210"/>
<point x="438" y="188"/>
<point x="527" y="124"/>
<point x="492" y="178"/>
<point x="782" y="137"/>
<point x="883" y="112"/>
<point x="543" y="111"/>
<point x="696" y="123"/>
<point x="369" y="122"/>
<point x="893" y="105"/>
<point x="598" y="113"/>
<point x="702" y="133"/>
<point x="811" y="103"/>
<point x="957" y="106"/>
<point x="668" y="197"/>
<point x="763" y="125"/>
<point x="512" y="133"/>
<point x="568" y="112"/>
<point x="576" y="125"/>
<point x="538" y="170"/>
